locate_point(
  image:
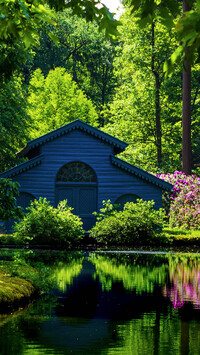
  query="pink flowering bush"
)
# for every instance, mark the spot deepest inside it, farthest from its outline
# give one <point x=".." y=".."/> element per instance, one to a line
<point x="184" y="211"/>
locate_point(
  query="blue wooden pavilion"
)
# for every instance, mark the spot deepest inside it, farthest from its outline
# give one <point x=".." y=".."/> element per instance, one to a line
<point x="77" y="162"/>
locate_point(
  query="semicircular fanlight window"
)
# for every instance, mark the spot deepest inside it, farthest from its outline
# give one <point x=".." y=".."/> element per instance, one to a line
<point x="126" y="198"/>
<point x="76" y="172"/>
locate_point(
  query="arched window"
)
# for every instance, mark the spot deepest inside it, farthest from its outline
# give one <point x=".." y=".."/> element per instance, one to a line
<point x="76" y="172"/>
<point x="126" y="198"/>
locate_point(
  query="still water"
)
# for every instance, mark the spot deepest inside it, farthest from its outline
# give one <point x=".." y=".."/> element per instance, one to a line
<point x="111" y="303"/>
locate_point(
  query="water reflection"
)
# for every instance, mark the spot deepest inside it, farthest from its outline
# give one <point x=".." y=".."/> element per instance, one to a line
<point x="184" y="286"/>
<point x="111" y="304"/>
<point x="64" y="274"/>
<point x="135" y="272"/>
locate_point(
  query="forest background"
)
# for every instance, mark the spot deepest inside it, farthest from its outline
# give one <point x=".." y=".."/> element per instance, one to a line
<point x="62" y="68"/>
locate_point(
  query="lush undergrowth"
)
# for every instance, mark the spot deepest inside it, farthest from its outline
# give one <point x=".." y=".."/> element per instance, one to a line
<point x="169" y="236"/>
<point x="11" y="239"/>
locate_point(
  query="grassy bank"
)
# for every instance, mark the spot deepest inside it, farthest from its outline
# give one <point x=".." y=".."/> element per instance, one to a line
<point x="19" y="283"/>
<point x="14" y="290"/>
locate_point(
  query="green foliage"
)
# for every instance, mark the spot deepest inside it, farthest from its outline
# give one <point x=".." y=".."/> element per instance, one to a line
<point x="56" y="100"/>
<point x="107" y="210"/>
<point x="138" y="223"/>
<point x="12" y="55"/>
<point x="20" y="19"/>
<point x="8" y="207"/>
<point x="168" y="13"/>
<point x="134" y="113"/>
<point x="14" y="289"/>
<point x="149" y="10"/>
<point x="82" y="50"/>
<point x="180" y="237"/>
<point x="93" y="12"/>
<point x="13" y="122"/>
<point x="10" y="239"/>
<point x="44" y="224"/>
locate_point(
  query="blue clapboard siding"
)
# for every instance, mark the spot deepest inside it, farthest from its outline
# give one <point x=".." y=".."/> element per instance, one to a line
<point x="77" y="145"/>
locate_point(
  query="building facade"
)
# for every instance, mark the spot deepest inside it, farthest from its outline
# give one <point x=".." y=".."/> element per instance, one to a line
<point x="77" y="162"/>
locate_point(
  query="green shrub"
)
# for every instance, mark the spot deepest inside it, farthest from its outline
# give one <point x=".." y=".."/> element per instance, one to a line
<point x="44" y="224"/>
<point x="138" y="223"/>
<point x="107" y="210"/>
<point x="10" y="239"/>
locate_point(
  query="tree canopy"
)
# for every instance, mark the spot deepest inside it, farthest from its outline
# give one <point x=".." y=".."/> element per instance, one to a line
<point x="77" y="72"/>
<point x="56" y="100"/>
<point x="20" y="19"/>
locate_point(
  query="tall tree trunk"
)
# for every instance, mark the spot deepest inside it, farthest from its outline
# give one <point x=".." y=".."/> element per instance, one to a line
<point x="186" y="114"/>
<point x="157" y="99"/>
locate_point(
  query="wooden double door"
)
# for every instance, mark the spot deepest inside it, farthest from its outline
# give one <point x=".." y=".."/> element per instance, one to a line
<point x="83" y="199"/>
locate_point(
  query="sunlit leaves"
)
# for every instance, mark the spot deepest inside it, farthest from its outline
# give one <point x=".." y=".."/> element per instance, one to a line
<point x="132" y="112"/>
<point x="93" y="10"/>
<point x="56" y="100"/>
<point x="169" y="13"/>
<point x="148" y="10"/>
<point x="19" y="20"/>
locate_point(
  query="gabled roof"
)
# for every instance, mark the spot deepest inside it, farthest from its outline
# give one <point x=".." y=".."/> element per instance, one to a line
<point x="77" y="124"/>
<point x="140" y="173"/>
<point x="22" y="167"/>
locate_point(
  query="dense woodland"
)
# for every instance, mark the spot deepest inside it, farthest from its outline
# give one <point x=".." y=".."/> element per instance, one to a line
<point x="67" y="69"/>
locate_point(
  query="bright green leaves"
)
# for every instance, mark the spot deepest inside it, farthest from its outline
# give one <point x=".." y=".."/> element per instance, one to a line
<point x="188" y="29"/>
<point x="19" y="20"/>
<point x="46" y="225"/>
<point x="56" y="100"/>
<point x="148" y="10"/>
<point x="169" y="13"/>
<point x="108" y="23"/>
<point x="92" y="10"/>
<point x="135" y="224"/>
<point x="132" y="115"/>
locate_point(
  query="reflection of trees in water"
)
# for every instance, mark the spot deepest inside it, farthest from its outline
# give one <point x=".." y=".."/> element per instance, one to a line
<point x="153" y="327"/>
<point x="64" y="273"/>
<point x="141" y="275"/>
<point x="184" y="277"/>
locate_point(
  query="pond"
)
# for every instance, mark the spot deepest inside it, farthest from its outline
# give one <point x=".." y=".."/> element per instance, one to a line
<point x="111" y="303"/>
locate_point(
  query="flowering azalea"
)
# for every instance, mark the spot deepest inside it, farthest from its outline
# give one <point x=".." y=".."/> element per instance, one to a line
<point x="185" y="200"/>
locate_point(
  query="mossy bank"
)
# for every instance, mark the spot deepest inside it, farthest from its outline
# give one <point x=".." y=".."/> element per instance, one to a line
<point x="15" y="292"/>
<point x="18" y="285"/>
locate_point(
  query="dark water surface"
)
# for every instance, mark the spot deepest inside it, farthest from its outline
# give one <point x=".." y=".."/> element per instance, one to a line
<point x="111" y="303"/>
